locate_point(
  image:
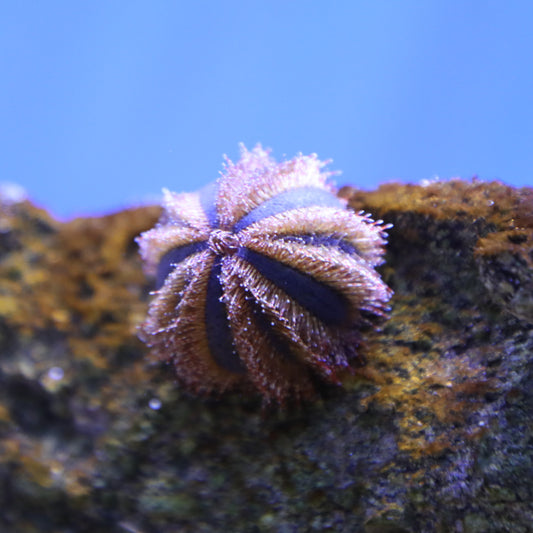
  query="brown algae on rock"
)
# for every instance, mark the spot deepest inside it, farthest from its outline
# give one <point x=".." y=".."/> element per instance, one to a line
<point x="432" y="434"/>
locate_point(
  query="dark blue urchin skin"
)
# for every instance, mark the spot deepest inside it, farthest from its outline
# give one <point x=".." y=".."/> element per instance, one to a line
<point x="327" y="304"/>
<point x="293" y="199"/>
<point x="173" y="257"/>
<point x="280" y="273"/>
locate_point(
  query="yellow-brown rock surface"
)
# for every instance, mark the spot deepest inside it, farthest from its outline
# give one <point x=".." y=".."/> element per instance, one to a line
<point x="433" y="434"/>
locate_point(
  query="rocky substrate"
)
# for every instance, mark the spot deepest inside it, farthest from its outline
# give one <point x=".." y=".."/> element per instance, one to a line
<point x="434" y="433"/>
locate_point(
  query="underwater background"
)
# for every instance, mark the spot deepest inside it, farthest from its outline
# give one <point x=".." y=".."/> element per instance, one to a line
<point x="103" y="104"/>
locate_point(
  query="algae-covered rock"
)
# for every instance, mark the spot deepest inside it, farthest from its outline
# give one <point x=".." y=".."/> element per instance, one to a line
<point x="433" y="433"/>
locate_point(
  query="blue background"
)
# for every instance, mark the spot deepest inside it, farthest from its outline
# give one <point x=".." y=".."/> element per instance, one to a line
<point x="104" y="103"/>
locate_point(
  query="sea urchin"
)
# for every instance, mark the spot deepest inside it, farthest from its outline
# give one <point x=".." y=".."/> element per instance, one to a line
<point x="263" y="279"/>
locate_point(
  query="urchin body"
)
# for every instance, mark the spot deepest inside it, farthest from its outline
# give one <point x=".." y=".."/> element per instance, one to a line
<point x="263" y="279"/>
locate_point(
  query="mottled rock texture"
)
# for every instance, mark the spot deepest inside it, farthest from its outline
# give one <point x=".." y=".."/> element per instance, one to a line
<point x="434" y="433"/>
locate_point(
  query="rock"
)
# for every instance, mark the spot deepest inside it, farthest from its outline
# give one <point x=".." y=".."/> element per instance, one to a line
<point x="433" y="433"/>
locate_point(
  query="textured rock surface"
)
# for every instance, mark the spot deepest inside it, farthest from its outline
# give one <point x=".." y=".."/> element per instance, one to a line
<point x="435" y="433"/>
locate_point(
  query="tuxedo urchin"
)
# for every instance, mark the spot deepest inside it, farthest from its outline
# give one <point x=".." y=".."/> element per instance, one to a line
<point x="263" y="279"/>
